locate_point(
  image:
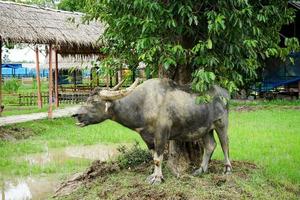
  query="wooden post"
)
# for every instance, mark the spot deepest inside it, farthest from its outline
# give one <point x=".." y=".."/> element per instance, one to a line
<point x="91" y="78"/>
<point x="74" y="78"/>
<point x="38" y="79"/>
<point x="298" y="89"/>
<point x="0" y="75"/>
<point x="97" y="77"/>
<point x="56" y="81"/>
<point x="117" y="77"/>
<point x="107" y="81"/>
<point x="120" y="74"/>
<point x="50" y="80"/>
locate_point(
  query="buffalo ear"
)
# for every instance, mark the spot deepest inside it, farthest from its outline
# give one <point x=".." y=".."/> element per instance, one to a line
<point x="107" y="106"/>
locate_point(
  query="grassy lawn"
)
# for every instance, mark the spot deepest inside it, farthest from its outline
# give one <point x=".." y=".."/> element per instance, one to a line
<point x="270" y="138"/>
<point x="267" y="137"/>
<point x="56" y="134"/>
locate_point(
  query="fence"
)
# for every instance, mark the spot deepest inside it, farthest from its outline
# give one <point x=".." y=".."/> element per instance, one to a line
<point x="65" y="98"/>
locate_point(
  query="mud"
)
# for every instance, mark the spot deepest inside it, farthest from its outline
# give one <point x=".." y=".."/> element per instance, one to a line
<point x="98" y="169"/>
<point x="255" y="108"/>
<point x="15" y="133"/>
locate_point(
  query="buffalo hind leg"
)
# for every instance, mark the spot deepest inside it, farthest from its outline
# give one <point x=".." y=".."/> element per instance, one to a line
<point x="221" y="129"/>
<point x="209" y="147"/>
<point x="160" y="142"/>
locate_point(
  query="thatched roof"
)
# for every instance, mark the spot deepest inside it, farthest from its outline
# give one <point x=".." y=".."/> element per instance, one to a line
<point x="21" y="23"/>
<point x="74" y="62"/>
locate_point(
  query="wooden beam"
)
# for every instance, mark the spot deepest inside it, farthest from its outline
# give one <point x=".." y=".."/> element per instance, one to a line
<point x="1" y="43"/>
<point x="50" y="110"/>
<point x="38" y="79"/>
<point x="56" y="81"/>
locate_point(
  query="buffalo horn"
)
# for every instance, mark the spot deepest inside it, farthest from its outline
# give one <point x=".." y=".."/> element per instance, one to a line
<point x="118" y="85"/>
<point x="114" y="95"/>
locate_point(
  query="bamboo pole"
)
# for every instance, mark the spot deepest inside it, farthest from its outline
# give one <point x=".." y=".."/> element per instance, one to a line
<point x="50" y="83"/>
<point x="56" y="81"/>
<point x="0" y="75"/>
<point x="38" y="79"/>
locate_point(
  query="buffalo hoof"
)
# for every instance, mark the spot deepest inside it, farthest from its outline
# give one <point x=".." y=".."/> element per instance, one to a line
<point x="155" y="179"/>
<point x="199" y="172"/>
<point x="227" y="170"/>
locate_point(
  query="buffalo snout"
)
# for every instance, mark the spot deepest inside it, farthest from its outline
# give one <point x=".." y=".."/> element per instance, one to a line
<point x="75" y="115"/>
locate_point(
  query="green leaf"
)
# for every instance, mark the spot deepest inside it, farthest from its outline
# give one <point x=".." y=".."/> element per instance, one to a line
<point x="209" y="44"/>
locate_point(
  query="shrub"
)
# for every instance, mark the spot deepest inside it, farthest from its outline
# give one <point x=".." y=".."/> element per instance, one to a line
<point x="134" y="156"/>
<point x="11" y="85"/>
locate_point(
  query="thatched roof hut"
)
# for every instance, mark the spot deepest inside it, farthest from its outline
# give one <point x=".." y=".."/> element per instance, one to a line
<point x="20" y="23"/>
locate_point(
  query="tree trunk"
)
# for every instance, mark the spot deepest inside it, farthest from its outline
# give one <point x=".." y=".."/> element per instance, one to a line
<point x="184" y="155"/>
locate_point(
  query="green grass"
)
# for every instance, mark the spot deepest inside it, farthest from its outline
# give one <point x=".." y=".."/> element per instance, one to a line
<point x="269" y="138"/>
<point x="130" y="184"/>
<point x="57" y="133"/>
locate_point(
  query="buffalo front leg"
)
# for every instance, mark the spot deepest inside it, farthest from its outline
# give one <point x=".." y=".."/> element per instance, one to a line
<point x="157" y="176"/>
<point x="160" y="141"/>
<point x="223" y="137"/>
<point x="209" y="147"/>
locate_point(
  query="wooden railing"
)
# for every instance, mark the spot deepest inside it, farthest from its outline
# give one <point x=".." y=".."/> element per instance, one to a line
<point x="65" y="98"/>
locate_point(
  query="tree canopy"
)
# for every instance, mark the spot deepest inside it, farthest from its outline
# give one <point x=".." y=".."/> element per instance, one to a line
<point x="220" y="41"/>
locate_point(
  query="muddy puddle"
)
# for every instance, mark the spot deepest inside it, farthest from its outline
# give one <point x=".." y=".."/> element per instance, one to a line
<point x="91" y="152"/>
<point x="28" y="188"/>
<point x="43" y="187"/>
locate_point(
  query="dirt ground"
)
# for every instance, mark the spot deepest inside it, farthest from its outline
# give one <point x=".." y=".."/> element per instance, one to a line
<point x="15" y="133"/>
<point x="247" y="108"/>
<point x="108" y="181"/>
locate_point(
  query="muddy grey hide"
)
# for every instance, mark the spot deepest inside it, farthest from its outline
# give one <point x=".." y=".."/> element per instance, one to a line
<point x="160" y="110"/>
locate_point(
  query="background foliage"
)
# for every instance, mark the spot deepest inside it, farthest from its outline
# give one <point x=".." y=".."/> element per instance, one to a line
<point x="11" y="85"/>
<point x="219" y="41"/>
<point x="214" y="41"/>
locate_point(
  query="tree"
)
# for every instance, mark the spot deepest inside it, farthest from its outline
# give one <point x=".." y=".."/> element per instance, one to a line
<point x="219" y="41"/>
<point x="72" y="5"/>
<point x="204" y="42"/>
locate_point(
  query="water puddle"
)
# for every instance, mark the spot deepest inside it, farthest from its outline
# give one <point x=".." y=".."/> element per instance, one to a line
<point x="28" y="188"/>
<point x="41" y="188"/>
<point x="91" y="152"/>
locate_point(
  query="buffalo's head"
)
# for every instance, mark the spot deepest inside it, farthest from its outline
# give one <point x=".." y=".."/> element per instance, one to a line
<point x="98" y="106"/>
<point x="95" y="110"/>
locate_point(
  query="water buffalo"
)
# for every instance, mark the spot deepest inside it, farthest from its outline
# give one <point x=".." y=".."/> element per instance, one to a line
<point x="160" y="110"/>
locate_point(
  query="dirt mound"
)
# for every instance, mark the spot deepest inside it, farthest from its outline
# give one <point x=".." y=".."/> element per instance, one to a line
<point x="97" y="170"/>
<point x="247" y="108"/>
<point x="15" y="133"/>
<point x="112" y="180"/>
